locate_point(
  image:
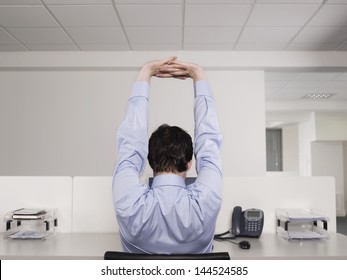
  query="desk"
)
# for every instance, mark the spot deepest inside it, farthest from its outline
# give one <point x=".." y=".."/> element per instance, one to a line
<point x="92" y="246"/>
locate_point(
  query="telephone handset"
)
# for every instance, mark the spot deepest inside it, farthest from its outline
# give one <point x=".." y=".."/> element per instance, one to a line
<point x="248" y="223"/>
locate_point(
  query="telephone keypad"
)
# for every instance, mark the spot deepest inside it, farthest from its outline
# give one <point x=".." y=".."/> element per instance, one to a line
<point x="252" y="226"/>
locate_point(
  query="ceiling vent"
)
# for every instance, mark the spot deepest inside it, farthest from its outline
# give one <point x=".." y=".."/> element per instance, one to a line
<point x="319" y="95"/>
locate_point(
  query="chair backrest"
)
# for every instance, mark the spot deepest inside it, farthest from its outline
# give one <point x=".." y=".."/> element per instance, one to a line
<point x="115" y="255"/>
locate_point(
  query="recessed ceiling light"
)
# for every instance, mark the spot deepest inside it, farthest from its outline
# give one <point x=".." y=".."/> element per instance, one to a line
<point x="319" y="95"/>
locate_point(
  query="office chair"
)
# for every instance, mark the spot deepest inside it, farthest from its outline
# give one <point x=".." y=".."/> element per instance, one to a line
<point x="115" y="255"/>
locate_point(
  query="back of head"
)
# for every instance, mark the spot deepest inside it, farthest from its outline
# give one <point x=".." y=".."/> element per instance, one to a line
<point x="170" y="149"/>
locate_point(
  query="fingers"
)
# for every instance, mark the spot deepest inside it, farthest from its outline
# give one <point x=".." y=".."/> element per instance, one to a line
<point x="172" y="68"/>
<point x="173" y="71"/>
<point x="169" y="60"/>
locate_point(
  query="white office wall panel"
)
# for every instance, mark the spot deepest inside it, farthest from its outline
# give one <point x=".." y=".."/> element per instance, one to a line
<point x="240" y="102"/>
<point x="38" y="192"/>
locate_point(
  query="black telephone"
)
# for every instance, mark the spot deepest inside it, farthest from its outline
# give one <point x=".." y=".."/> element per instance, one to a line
<point x="248" y="223"/>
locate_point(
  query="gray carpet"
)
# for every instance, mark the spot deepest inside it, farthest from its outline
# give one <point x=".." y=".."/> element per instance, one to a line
<point x="341" y="225"/>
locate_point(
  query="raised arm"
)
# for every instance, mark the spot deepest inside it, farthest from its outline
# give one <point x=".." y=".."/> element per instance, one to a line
<point x="207" y="135"/>
<point x="132" y="139"/>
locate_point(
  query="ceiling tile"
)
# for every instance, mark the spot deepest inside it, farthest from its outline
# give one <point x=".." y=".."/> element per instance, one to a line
<point x="280" y="76"/>
<point x="311" y="47"/>
<point x="267" y="35"/>
<point x="219" y="1"/>
<point x="26" y="16"/>
<point x="342" y="48"/>
<point x="341" y="77"/>
<point x="20" y="2"/>
<point x="319" y="76"/>
<point x="281" y="15"/>
<point x="216" y="15"/>
<point x="12" y="48"/>
<point x="154" y="35"/>
<point x="289" y="1"/>
<point x="148" y="2"/>
<point x="330" y="15"/>
<point x="322" y="35"/>
<point x="77" y="2"/>
<point x="40" y="35"/>
<point x="159" y="47"/>
<point x="150" y="15"/>
<point x="336" y="2"/>
<point x="97" y="35"/>
<point x="260" y="47"/>
<point x="6" y="38"/>
<point x="211" y="34"/>
<point x="208" y="46"/>
<point x="336" y="84"/>
<point x="292" y="94"/>
<point x="51" y="47"/>
<point x="85" y="15"/>
<point x="275" y="84"/>
<point x="104" y="47"/>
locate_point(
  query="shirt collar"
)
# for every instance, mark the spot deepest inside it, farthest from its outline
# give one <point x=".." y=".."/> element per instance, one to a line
<point x="168" y="180"/>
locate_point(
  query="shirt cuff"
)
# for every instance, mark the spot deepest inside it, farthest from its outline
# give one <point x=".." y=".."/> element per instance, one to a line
<point x="202" y="88"/>
<point x="140" y="89"/>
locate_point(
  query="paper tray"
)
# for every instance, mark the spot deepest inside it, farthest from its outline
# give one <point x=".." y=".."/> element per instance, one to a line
<point x="300" y="224"/>
<point x="30" y="223"/>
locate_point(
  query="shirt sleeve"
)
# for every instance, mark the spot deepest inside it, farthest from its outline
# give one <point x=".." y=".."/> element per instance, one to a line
<point x="208" y="141"/>
<point x="132" y="147"/>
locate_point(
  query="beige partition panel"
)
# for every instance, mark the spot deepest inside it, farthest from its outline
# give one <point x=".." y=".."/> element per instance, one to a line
<point x="38" y="192"/>
<point x="269" y="193"/>
<point x="92" y="205"/>
<point x="93" y="209"/>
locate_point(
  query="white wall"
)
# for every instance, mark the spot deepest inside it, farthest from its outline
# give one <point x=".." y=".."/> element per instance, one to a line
<point x="328" y="153"/>
<point x="307" y="134"/>
<point x="327" y="160"/>
<point x="60" y="122"/>
<point x="64" y="122"/>
<point x="331" y="126"/>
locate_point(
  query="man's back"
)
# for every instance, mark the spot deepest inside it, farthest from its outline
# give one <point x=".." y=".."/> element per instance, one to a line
<point x="175" y="223"/>
<point x="168" y="217"/>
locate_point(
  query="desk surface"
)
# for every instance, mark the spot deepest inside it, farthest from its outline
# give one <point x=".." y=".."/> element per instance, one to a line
<point x="94" y="245"/>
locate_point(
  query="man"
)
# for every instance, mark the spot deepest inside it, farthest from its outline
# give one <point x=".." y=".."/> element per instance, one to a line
<point x="168" y="217"/>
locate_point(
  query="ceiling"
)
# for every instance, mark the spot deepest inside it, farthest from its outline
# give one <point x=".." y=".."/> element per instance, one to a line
<point x="118" y="25"/>
<point x="236" y="25"/>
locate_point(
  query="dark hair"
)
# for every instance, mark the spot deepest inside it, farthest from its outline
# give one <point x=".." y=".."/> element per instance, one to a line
<point x="170" y="149"/>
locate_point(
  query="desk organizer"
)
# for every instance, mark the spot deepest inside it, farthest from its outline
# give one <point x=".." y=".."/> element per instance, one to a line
<point x="30" y="223"/>
<point x="299" y="224"/>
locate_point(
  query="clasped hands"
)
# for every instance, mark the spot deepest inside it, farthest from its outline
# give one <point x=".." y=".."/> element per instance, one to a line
<point x="172" y="68"/>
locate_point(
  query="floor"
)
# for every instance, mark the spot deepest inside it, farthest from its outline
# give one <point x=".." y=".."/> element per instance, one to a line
<point x="341" y="225"/>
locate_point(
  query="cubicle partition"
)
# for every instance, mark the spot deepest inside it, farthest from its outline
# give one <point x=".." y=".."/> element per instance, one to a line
<point x="87" y="226"/>
<point x="38" y="192"/>
<point x="84" y="203"/>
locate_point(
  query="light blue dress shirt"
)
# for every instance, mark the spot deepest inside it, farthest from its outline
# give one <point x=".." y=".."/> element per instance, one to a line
<point x="168" y="217"/>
